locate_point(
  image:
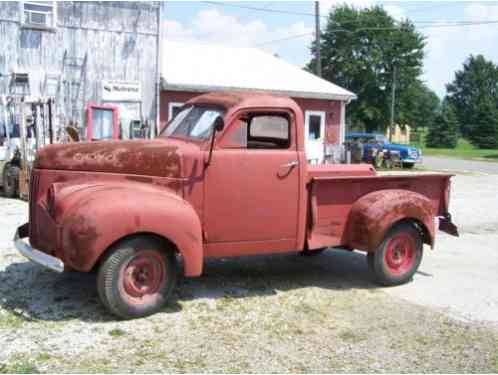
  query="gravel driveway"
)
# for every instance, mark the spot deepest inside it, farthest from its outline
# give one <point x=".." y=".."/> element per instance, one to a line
<point x="459" y="165"/>
<point x="282" y="313"/>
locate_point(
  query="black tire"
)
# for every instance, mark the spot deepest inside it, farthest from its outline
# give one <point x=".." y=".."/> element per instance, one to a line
<point x="398" y="257"/>
<point x="10" y="178"/>
<point x="136" y="277"/>
<point x="312" y="253"/>
<point x="408" y="165"/>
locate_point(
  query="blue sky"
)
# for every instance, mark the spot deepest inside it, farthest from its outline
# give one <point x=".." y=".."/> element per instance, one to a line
<point x="227" y="23"/>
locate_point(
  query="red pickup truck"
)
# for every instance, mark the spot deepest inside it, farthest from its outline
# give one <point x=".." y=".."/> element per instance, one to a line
<point x="227" y="177"/>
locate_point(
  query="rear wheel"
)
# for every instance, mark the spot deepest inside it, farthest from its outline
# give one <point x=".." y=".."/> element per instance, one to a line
<point x="10" y="178"/>
<point x="137" y="277"/>
<point x="398" y="257"/>
<point x="408" y="165"/>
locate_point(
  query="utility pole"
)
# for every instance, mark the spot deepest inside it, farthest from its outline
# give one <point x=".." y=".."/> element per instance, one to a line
<point x="318" y="58"/>
<point x="393" y="99"/>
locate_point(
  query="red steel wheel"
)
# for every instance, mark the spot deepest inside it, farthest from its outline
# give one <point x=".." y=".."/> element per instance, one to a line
<point x="143" y="276"/>
<point x="137" y="277"/>
<point x="398" y="257"/>
<point x="400" y="253"/>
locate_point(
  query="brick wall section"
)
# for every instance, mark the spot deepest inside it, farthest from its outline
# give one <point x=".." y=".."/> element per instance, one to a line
<point x="332" y="109"/>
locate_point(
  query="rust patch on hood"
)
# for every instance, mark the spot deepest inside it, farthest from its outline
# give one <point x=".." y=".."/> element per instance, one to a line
<point x="147" y="157"/>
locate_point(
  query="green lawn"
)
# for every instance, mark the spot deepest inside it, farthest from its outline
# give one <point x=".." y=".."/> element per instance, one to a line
<point x="464" y="150"/>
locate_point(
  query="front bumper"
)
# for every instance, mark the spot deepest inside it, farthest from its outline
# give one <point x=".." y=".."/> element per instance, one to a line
<point x="411" y="160"/>
<point x="48" y="261"/>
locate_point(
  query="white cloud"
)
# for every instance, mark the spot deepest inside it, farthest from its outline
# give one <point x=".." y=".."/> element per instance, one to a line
<point x="395" y="11"/>
<point x="213" y="26"/>
<point x="448" y="47"/>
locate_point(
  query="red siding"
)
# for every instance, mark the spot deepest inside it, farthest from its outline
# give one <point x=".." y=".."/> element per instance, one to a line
<point x="332" y="109"/>
<point x="173" y="97"/>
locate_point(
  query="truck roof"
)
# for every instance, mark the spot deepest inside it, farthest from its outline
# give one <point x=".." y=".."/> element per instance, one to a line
<point x="230" y="99"/>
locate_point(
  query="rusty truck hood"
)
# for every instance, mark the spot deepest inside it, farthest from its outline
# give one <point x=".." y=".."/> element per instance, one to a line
<point x="165" y="157"/>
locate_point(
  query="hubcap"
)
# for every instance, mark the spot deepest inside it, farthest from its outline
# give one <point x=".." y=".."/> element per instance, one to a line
<point x="144" y="274"/>
<point x="400" y="254"/>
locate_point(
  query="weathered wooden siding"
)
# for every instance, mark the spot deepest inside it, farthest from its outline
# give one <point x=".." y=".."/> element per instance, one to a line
<point x="120" y="41"/>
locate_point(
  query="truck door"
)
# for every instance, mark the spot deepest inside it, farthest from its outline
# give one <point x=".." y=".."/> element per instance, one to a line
<point x="252" y="187"/>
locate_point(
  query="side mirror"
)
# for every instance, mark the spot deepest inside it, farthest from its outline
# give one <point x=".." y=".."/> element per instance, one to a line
<point x="218" y="126"/>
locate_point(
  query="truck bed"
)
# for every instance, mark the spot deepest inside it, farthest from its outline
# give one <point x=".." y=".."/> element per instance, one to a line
<point x="333" y="192"/>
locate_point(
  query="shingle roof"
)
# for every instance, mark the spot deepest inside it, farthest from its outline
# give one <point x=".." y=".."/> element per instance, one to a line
<point x="208" y="67"/>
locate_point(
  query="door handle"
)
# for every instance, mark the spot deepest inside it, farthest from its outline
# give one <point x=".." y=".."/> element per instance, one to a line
<point x="292" y="164"/>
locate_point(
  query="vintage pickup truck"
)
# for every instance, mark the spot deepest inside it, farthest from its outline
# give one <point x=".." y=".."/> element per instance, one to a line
<point x="227" y="177"/>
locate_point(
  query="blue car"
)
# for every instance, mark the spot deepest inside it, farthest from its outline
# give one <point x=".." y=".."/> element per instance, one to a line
<point x="409" y="155"/>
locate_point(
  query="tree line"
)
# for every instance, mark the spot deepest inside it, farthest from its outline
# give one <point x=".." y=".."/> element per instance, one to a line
<point x="368" y="52"/>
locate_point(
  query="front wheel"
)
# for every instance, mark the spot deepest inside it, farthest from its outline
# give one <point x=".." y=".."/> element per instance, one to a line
<point x="408" y="165"/>
<point x="398" y="257"/>
<point x="137" y="277"/>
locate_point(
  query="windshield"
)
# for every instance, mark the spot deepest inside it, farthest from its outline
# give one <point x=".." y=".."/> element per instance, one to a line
<point x="193" y="122"/>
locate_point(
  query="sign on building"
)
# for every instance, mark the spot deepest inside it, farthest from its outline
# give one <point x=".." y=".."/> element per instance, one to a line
<point x="126" y="91"/>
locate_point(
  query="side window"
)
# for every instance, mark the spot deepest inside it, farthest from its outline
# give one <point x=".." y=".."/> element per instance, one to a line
<point x="237" y="137"/>
<point x="268" y="132"/>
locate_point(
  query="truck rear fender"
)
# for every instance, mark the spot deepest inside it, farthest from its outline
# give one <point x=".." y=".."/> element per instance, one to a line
<point x="91" y="218"/>
<point x="374" y="214"/>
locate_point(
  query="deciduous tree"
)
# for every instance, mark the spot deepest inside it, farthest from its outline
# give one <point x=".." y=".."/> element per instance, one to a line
<point x="362" y="50"/>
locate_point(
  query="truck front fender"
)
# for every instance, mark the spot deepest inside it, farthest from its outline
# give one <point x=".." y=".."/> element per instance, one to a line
<point x="92" y="217"/>
<point x="375" y="213"/>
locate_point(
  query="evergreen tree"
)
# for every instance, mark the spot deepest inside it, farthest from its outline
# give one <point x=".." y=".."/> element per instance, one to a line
<point x="485" y="132"/>
<point x="444" y="131"/>
<point x="477" y="81"/>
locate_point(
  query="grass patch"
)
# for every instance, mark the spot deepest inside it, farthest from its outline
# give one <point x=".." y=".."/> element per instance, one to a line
<point x="117" y="332"/>
<point x="43" y="357"/>
<point x="19" y="367"/>
<point x="464" y="150"/>
<point x="10" y="320"/>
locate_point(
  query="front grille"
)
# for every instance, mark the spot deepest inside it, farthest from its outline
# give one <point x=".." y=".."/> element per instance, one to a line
<point x="34" y="182"/>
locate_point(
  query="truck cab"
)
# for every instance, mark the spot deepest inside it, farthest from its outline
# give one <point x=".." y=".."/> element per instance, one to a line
<point x="228" y="176"/>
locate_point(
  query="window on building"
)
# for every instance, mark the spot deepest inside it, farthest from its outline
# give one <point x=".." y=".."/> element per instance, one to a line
<point x="315" y="125"/>
<point x="102" y="124"/>
<point x="39" y="14"/>
<point x="174" y="109"/>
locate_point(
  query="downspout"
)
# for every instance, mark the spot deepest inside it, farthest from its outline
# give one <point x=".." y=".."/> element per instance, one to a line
<point x="158" y="71"/>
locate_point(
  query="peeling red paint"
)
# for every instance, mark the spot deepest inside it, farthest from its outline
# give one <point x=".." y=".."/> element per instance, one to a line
<point x="245" y="202"/>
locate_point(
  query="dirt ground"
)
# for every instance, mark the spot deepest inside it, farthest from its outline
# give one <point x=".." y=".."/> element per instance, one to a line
<point x="282" y="313"/>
